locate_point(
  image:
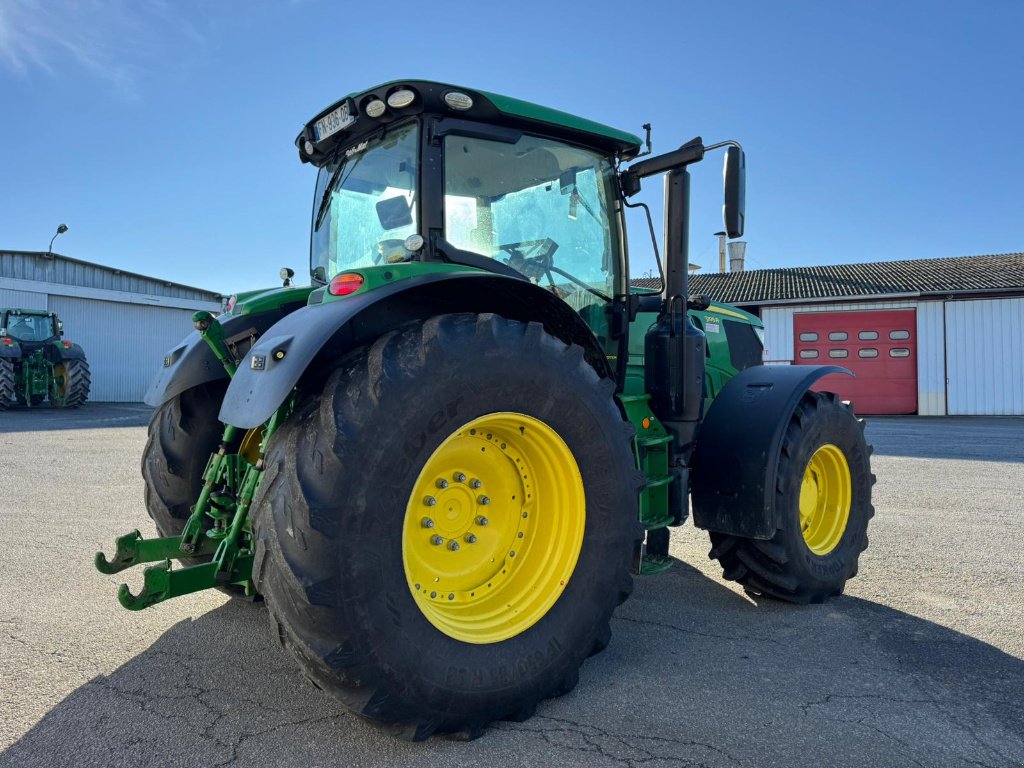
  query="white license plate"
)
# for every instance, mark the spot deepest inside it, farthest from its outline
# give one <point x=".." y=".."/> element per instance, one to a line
<point x="331" y="123"/>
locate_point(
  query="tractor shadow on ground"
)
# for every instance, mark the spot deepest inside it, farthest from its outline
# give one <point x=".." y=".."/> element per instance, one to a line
<point x="696" y="674"/>
<point x="45" y="418"/>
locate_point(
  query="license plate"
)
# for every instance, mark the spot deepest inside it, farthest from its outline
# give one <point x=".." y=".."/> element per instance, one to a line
<point x="331" y="123"/>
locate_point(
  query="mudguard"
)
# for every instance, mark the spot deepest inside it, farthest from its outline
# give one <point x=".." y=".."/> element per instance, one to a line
<point x="74" y="352"/>
<point x="279" y="359"/>
<point x="192" y="362"/>
<point x="10" y="351"/>
<point x="736" y="458"/>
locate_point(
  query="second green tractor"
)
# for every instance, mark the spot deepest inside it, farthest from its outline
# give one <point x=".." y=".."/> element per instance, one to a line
<point x="37" y="364"/>
<point x="442" y="463"/>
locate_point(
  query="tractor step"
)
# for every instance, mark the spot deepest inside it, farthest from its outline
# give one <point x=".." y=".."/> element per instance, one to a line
<point x="651" y="442"/>
<point x="652" y="565"/>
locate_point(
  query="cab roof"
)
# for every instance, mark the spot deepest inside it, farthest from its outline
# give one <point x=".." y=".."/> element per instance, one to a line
<point x="486" y="107"/>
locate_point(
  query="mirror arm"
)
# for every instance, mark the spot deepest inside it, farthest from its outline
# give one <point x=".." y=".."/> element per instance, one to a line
<point x="721" y="144"/>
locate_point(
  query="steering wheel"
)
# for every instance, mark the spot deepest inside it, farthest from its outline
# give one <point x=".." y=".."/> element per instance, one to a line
<point x="533" y="258"/>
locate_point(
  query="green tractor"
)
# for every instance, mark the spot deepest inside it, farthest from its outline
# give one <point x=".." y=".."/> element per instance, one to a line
<point x="442" y="463"/>
<point x="37" y="364"/>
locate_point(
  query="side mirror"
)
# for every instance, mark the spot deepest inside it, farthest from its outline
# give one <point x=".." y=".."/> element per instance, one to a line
<point x="319" y="274"/>
<point x="735" y="173"/>
<point x="60" y="327"/>
<point x="394" y="213"/>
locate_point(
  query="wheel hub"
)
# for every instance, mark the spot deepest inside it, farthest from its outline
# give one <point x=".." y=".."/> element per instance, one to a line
<point x="826" y="494"/>
<point x="482" y="564"/>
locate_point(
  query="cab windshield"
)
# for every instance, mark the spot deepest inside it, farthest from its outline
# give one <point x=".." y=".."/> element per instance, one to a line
<point x="30" y="327"/>
<point x="364" y="207"/>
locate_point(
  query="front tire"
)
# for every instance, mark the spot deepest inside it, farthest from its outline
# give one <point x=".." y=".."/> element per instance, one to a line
<point x="823" y="505"/>
<point x="403" y="630"/>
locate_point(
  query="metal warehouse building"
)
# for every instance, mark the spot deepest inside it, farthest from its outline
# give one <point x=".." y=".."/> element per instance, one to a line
<point x="928" y="336"/>
<point x="124" y="321"/>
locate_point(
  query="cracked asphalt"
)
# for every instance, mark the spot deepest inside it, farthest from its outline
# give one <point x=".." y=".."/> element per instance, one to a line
<point x="919" y="664"/>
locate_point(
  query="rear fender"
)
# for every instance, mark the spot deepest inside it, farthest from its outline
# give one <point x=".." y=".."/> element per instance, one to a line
<point x="10" y="351"/>
<point x="60" y="352"/>
<point x="736" y="458"/>
<point x="192" y="362"/>
<point x="303" y="346"/>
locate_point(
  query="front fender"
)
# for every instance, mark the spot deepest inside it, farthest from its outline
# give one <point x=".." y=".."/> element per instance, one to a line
<point x="282" y="355"/>
<point x="736" y="458"/>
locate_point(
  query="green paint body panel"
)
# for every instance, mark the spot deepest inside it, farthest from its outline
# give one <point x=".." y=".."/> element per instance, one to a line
<point x="267" y="299"/>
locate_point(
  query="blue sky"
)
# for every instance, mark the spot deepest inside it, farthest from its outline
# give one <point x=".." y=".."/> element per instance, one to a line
<point x="161" y="132"/>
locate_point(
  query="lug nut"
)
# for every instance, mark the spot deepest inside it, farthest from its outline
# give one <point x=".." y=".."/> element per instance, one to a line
<point x="426" y="522"/>
<point x="453" y="546"/>
<point x="470" y="538"/>
<point x="429" y="501"/>
<point x="481" y="520"/>
<point x="441" y="483"/>
<point x="474" y="483"/>
<point x="458" y="477"/>
<point x="436" y="540"/>
<point x="483" y="500"/>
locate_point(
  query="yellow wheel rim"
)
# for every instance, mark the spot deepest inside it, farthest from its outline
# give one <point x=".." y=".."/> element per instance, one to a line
<point x="60" y="376"/>
<point x="825" y="497"/>
<point x="493" y="528"/>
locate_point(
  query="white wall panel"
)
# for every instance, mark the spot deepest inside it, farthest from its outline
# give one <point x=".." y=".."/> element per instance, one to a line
<point x="985" y="357"/>
<point x="21" y="299"/>
<point x="124" y="343"/>
<point x="931" y="359"/>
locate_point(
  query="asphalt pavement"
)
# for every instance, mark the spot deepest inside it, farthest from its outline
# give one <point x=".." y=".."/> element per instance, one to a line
<point x="918" y="664"/>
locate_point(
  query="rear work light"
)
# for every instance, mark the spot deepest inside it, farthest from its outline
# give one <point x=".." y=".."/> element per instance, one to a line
<point x="344" y="284"/>
<point x="7" y="342"/>
<point x="67" y="344"/>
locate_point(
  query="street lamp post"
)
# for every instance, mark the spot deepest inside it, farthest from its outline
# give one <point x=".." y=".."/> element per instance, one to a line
<point x="60" y="231"/>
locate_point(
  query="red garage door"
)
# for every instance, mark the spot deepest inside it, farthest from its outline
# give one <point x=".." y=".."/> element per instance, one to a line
<point x="880" y="347"/>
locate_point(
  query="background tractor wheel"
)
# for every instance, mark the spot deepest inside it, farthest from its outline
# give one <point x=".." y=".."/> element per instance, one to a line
<point x="183" y="432"/>
<point x="442" y="535"/>
<point x="7" y="398"/>
<point x="823" y="497"/>
<point x="72" y="380"/>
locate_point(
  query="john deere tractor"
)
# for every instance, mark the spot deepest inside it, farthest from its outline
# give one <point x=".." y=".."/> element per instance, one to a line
<point x="441" y="464"/>
<point x="36" y="364"/>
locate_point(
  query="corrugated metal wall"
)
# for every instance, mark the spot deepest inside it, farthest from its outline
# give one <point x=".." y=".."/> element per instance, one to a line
<point x="778" y="326"/>
<point x="985" y="357"/>
<point x="124" y="343"/>
<point x="21" y="299"/>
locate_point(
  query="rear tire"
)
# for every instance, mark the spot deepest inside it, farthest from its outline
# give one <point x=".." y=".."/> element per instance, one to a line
<point x="77" y="381"/>
<point x="183" y="432"/>
<point x="341" y="502"/>
<point x="7" y="396"/>
<point x="809" y="567"/>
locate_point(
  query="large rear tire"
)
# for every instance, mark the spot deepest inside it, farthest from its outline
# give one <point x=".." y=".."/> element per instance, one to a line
<point x="71" y="384"/>
<point x="823" y="500"/>
<point x="7" y="397"/>
<point x="465" y="428"/>
<point x="183" y="432"/>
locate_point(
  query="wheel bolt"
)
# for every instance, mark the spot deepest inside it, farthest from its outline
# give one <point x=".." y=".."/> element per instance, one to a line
<point x="474" y="483"/>
<point x="481" y="520"/>
<point x="436" y="540"/>
<point x="429" y="501"/>
<point x="453" y="546"/>
<point x="426" y="522"/>
<point x="441" y="483"/>
<point x="458" y="477"/>
<point x="470" y="538"/>
<point x="483" y="500"/>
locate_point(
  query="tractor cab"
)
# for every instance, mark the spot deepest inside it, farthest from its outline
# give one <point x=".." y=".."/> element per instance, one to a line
<point x="425" y="172"/>
<point x="30" y="328"/>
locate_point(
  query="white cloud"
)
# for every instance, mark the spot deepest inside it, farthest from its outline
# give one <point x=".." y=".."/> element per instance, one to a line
<point x="115" y="40"/>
